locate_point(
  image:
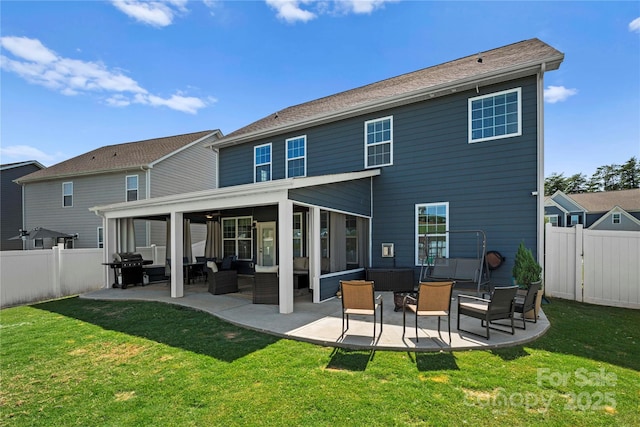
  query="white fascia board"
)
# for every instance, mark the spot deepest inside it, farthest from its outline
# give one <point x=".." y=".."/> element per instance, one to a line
<point x="493" y="77"/>
<point x="552" y="204"/>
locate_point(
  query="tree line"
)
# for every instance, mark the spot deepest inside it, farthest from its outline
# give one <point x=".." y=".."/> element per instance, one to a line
<point x="605" y="178"/>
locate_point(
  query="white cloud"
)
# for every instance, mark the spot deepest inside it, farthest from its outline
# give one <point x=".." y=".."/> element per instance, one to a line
<point x="553" y="94"/>
<point x="299" y="10"/>
<point x="154" y="13"/>
<point x="635" y="25"/>
<point x="290" y="10"/>
<point x="40" y="65"/>
<point x="26" y="152"/>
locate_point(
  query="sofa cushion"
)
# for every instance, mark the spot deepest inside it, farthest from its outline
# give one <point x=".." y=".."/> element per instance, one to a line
<point x="300" y="263"/>
<point x="212" y="265"/>
<point x="266" y="269"/>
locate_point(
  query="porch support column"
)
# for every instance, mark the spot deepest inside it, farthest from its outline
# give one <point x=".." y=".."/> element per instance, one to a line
<point x="315" y="253"/>
<point x="285" y="255"/>
<point x="177" y="252"/>
<point x="110" y="238"/>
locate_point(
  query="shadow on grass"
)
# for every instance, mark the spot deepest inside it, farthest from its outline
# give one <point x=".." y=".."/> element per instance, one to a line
<point x="606" y="334"/>
<point x="436" y="361"/>
<point x="168" y="324"/>
<point x="350" y="360"/>
<point x="510" y="353"/>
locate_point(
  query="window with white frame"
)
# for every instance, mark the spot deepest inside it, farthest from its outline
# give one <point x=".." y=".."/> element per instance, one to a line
<point x="378" y="142"/>
<point x="574" y="219"/>
<point x="298" y="249"/>
<point x="432" y="241"/>
<point x="296" y="156"/>
<point x="237" y="237"/>
<point x="494" y="116"/>
<point x="615" y="218"/>
<point x="67" y="194"/>
<point x="324" y="234"/>
<point x="262" y="163"/>
<point x="552" y="219"/>
<point x="132" y="188"/>
<point x="100" y="237"/>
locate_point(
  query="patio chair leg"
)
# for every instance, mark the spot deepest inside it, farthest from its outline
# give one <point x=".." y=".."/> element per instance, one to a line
<point x="404" y="321"/>
<point x="487" y="329"/>
<point x="417" y="339"/>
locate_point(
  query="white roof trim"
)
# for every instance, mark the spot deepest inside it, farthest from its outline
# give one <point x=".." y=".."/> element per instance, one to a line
<point x="18" y="165"/>
<point x="615" y="209"/>
<point x="553" y="204"/>
<point x="254" y="194"/>
<point x="570" y="199"/>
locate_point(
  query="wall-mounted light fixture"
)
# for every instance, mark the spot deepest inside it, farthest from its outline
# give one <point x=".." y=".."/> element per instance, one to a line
<point x="387" y="250"/>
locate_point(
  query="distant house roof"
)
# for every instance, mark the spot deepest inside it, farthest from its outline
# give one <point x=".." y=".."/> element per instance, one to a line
<point x="119" y="157"/>
<point x="604" y="201"/>
<point x="515" y="60"/>
<point x="7" y="166"/>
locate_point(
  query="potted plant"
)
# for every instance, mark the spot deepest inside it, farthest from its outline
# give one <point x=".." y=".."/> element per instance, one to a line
<point x="526" y="271"/>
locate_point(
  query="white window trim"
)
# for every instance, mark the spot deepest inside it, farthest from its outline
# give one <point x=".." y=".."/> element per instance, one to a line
<point x="614" y="216"/>
<point x="577" y="216"/>
<point x="304" y="157"/>
<point x="390" y="142"/>
<point x="236" y="238"/>
<point x="255" y="164"/>
<point x="549" y="217"/>
<point x="489" y="95"/>
<point x="417" y="229"/>
<point x="64" y="194"/>
<point x="127" y="189"/>
<point x="99" y="240"/>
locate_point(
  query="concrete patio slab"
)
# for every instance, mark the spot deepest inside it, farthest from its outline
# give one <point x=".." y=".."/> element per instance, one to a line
<point x="322" y="323"/>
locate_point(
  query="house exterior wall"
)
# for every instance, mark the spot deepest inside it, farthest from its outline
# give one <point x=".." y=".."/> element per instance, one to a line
<point x="189" y="170"/>
<point x="625" y="224"/>
<point x="352" y="196"/>
<point x="488" y="185"/>
<point x="11" y="205"/>
<point x="43" y="204"/>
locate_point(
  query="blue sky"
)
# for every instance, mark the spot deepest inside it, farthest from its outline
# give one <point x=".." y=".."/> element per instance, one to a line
<point x="78" y="75"/>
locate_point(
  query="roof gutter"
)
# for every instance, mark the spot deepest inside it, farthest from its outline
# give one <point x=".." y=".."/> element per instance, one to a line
<point x="521" y="70"/>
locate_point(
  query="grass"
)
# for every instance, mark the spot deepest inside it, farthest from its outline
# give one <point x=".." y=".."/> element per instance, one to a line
<point x="81" y="362"/>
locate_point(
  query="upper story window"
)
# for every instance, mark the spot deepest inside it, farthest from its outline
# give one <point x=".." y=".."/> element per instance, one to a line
<point x="132" y="188"/>
<point x="296" y="156"/>
<point x="378" y="142"/>
<point x="615" y="218"/>
<point x="67" y="194"/>
<point x="262" y="163"/>
<point x="494" y="116"/>
<point x="432" y="240"/>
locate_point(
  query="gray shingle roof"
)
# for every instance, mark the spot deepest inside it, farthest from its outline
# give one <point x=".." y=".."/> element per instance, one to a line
<point x="501" y="60"/>
<point x="117" y="157"/>
<point x="604" y="201"/>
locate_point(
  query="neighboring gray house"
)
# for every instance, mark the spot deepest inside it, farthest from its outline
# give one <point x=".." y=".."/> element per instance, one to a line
<point x="337" y="180"/>
<point x="59" y="197"/>
<point x="11" y="203"/>
<point x="605" y="210"/>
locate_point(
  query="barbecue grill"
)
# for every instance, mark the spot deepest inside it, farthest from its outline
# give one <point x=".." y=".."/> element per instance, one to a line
<point x="128" y="269"/>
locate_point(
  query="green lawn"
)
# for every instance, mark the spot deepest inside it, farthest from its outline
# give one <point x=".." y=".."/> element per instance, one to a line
<point x="91" y="363"/>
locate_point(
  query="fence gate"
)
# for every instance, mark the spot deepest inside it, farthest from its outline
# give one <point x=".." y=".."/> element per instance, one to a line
<point x="594" y="266"/>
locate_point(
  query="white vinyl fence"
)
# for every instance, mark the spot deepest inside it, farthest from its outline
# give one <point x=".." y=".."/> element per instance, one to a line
<point x="593" y="266"/>
<point x="39" y="275"/>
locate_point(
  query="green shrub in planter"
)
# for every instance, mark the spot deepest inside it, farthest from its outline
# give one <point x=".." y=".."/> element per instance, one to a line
<point x="526" y="269"/>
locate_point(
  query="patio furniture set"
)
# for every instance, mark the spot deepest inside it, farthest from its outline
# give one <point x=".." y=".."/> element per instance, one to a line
<point x="433" y="299"/>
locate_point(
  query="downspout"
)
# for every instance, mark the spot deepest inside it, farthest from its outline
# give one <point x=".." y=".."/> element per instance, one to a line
<point x="540" y="192"/>
<point x="148" y="196"/>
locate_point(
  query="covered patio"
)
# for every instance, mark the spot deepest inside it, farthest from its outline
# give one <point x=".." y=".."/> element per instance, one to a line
<point x="322" y="323"/>
<point x="275" y="202"/>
